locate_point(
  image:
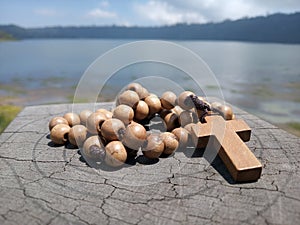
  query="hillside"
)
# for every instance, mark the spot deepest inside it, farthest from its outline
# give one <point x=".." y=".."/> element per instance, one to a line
<point x="279" y="28"/>
<point x="5" y="36"/>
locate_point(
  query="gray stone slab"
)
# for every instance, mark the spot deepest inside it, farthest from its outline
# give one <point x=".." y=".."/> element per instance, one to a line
<point x="42" y="184"/>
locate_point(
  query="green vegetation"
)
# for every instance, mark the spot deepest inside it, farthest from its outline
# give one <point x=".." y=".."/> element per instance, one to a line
<point x="291" y="127"/>
<point x="294" y="125"/>
<point x="7" y="114"/>
<point x="6" y="37"/>
<point x="263" y="91"/>
<point x="13" y="89"/>
<point x="295" y="85"/>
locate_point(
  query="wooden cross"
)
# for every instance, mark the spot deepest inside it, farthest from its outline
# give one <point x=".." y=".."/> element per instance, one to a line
<point x="228" y="137"/>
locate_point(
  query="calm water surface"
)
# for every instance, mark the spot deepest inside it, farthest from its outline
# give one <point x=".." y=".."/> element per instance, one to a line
<point x="261" y="78"/>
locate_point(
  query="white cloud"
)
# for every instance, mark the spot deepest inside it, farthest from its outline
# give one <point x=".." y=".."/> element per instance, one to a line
<point x="101" y="14"/>
<point x="125" y="23"/>
<point x="161" y="12"/>
<point x="236" y="9"/>
<point x="46" y="12"/>
<point x="104" y="4"/>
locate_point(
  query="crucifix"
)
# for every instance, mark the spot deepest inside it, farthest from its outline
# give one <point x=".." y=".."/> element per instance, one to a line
<point x="228" y="137"/>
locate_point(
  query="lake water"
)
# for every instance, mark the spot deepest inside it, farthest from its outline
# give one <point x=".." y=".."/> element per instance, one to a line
<point x="263" y="79"/>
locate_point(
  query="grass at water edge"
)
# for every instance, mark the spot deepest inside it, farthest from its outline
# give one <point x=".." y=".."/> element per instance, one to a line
<point x="7" y="114"/>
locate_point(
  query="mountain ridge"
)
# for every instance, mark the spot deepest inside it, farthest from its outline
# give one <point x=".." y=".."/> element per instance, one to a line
<point x="278" y="28"/>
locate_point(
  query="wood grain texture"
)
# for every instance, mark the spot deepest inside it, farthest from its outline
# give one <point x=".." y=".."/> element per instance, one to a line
<point x="228" y="138"/>
<point x="46" y="184"/>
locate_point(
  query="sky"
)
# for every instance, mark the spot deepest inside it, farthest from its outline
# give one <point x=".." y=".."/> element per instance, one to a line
<point x="40" y="13"/>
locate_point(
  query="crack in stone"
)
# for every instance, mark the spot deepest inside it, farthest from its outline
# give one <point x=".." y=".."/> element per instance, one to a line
<point x="53" y="218"/>
<point x="20" y="128"/>
<point x="78" y="217"/>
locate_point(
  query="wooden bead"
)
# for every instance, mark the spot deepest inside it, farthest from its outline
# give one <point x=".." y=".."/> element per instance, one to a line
<point x="187" y="117"/>
<point x="72" y="118"/>
<point x="112" y="129"/>
<point x="135" y="136"/>
<point x="177" y="110"/>
<point x="59" y="134"/>
<point x="107" y="114"/>
<point x="170" y="142"/>
<point x="93" y="148"/>
<point x="77" y="135"/>
<point x="57" y="120"/>
<point x="116" y="154"/>
<point x="141" y="110"/>
<point x="171" y="121"/>
<point x="94" y="122"/>
<point x="226" y="112"/>
<point x="182" y="136"/>
<point x="124" y="113"/>
<point x="154" y="104"/>
<point x="135" y="87"/>
<point x="154" y="146"/>
<point x="168" y="100"/>
<point x="130" y="98"/>
<point x="84" y="115"/>
<point x="144" y="94"/>
<point x="184" y="100"/>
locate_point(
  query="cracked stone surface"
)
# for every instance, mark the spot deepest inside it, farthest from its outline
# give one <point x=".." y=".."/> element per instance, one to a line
<point x="42" y="184"/>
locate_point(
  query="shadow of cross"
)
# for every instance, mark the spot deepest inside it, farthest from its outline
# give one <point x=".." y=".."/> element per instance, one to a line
<point x="227" y="137"/>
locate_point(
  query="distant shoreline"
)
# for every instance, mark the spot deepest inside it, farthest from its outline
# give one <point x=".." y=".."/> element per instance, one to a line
<point x="17" y="99"/>
<point x="275" y="28"/>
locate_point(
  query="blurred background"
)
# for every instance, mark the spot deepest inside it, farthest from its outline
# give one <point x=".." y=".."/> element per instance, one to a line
<point x="253" y="48"/>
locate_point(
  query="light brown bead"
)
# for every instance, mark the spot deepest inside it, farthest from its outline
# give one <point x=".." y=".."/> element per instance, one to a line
<point x="187" y="117"/>
<point x="93" y="148"/>
<point x="182" y="136"/>
<point x="124" y="113"/>
<point x="154" y="146"/>
<point x="113" y="129"/>
<point x="177" y="110"/>
<point x="154" y="104"/>
<point x="168" y="100"/>
<point x="77" y="135"/>
<point x="72" y="118"/>
<point x="171" y="121"/>
<point x="139" y="89"/>
<point x="130" y="98"/>
<point x="223" y="110"/>
<point x="94" y="122"/>
<point x="135" y="136"/>
<point x="116" y="154"/>
<point x="84" y="115"/>
<point x="226" y="112"/>
<point x="170" y="142"/>
<point x="59" y="134"/>
<point x="184" y="100"/>
<point x="164" y="112"/>
<point x="57" y="120"/>
<point x="144" y="94"/>
<point x="141" y="110"/>
<point x="108" y="114"/>
<point x="215" y="105"/>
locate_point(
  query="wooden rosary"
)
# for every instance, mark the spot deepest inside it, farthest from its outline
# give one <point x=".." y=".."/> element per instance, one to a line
<point x="185" y="121"/>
